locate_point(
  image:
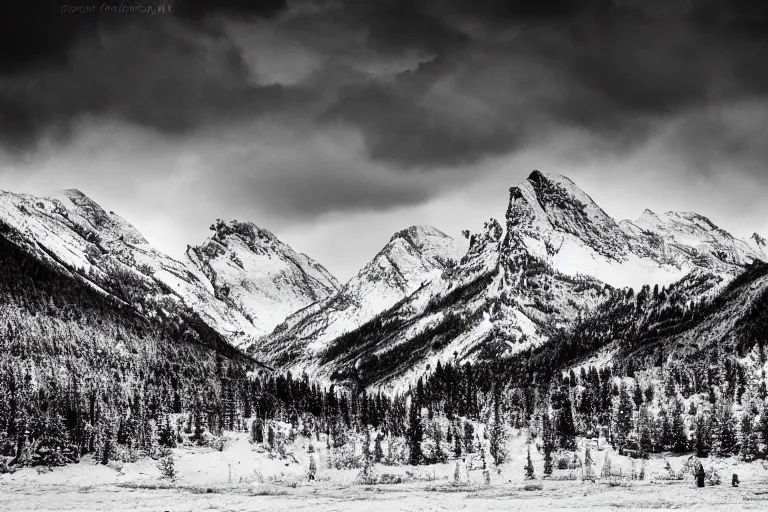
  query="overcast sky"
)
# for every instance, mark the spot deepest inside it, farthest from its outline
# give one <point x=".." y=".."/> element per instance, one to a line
<point x="335" y="123"/>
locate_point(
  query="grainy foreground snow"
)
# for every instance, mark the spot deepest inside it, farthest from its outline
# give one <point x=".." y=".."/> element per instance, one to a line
<point x="244" y="477"/>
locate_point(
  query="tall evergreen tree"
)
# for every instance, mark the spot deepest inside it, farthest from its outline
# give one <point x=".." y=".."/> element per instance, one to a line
<point x="529" y="472"/>
<point x="415" y="434"/>
<point x="457" y="444"/>
<point x="548" y="443"/>
<point x="469" y="437"/>
<point x="728" y="442"/>
<point x="762" y="426"/>
<point x="678" y="434"/>
<point x="565" y="427"/>
<point x="624" y="414"/>
<point x="498" y="439"/>
<point x="749" y="438"/>
<point x="166" y="434"/>
<point x="703" y="435"/>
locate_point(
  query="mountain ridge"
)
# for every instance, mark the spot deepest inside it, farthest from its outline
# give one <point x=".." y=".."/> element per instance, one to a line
<point x="75" y="233"/>
<point x="424" y="296"/>
<point x="514" y="289"/>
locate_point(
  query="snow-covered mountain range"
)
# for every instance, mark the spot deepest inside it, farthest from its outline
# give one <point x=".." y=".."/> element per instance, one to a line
<point x="412" y="258"/>
<point x="561" y="225"/>
<point x="77" y="235"/>
<point x="555" y="261"/>
<point x="560" y="257"/>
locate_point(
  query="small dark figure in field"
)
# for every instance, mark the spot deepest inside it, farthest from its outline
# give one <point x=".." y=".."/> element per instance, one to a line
<point x="735" y="480"/>
<point x="700" y="475"/>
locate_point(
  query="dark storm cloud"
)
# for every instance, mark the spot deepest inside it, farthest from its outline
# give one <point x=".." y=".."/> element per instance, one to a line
<point x="169" y="71"/>
<point x="39" y="32"/>
<point x="490" y="76"/>
<point x="615" y="69"/>
<point x="171" y="80"/>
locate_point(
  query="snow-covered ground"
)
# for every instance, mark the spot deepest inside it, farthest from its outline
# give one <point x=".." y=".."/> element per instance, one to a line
<point x="245" y="477"/>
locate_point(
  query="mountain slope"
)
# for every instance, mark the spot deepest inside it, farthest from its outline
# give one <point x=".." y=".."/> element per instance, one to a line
<point x="259" y="276"/>
<point x="559" y="260"/>
<point x="412" y="257"/>
<point x="74" y="233"/>
<point x="81" y="369"/>
<point x="695" y="324"/>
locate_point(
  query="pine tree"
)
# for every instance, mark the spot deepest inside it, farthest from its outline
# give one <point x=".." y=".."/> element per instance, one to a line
<point x="166" y="434"/>
<point x="529" y="473"/>
<point x="549" y="445"/>
<point x="637" y="395"/>
<point x="457" y="444"/>
<point x="749" y="438"/>
<point x="727" y="440"/>
<point x="257" y="431"/>
<point x="703" y="436"/>
<point x="762" y="426"/>
<point x="108" y="447"/>
<point x="565" y="427"/>
<point x="378" y="453"/>
<point x="415" y="434"/>
<point x="624" y="415"/>
<point x="197" y="434"/>
<point x="665" y="430"/>
<point x="497" y="440"/>
<point x="469" y="436"/>
<point x="678" y="436"/>
<point x="367" y="455"/>
<point x="437" y="434"/>
<point x="167" y="466"/>
<point x="645" y="431"/>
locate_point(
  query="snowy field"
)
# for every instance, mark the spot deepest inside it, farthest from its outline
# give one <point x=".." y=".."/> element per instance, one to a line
<point x="244" y="477"/>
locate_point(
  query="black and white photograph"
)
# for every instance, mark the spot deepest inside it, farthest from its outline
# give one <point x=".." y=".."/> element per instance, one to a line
<point x="383" y="255"/>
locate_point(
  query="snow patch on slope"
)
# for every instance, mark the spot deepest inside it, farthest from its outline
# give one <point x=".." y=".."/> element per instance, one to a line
<point x="573" y="258"/>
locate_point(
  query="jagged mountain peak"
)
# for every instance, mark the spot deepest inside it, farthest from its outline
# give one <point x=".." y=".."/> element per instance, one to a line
<point x="418" y="245"/>
<point x="77" y="234"/>
<point x="758" y="240"/>
<point x="554" y="201"/>
<point x="418" y="233"/>
<point x="548" y="212"/>
<point x="647" y="216"/>
<point x="75" y="193"/>
<point x="89" y="214"/>
<point x="246" y="231"/>
<point x="408" y="257"/>
<point x="257" y="274"/>
<point x="553" y="220"/>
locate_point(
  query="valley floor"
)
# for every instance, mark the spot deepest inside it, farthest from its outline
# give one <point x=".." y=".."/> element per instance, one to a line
<point x="242" y="477"/>
<point x="419" y="497"/>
